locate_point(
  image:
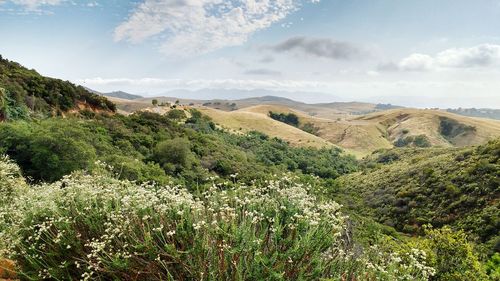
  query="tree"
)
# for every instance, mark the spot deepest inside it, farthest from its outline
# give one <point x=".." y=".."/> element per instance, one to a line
<point x="154" y="102"/>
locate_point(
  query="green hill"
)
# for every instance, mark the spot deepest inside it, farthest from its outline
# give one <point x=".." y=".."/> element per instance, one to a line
<point x="408" y="188"/>
<point x="24" y="92"/>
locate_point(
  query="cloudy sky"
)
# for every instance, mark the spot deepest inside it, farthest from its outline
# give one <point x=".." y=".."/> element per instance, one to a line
<point x="421" y="53"/>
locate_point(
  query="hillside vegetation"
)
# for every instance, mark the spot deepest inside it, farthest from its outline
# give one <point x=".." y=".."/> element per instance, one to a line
<point x="147" y="146"/>
<point x="409" y="188"/>
<point x="24" y="92"/>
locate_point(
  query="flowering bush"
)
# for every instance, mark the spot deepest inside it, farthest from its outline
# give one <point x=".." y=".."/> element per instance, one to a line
<point x="10" y="179"/>
<point x="95" y="227"/>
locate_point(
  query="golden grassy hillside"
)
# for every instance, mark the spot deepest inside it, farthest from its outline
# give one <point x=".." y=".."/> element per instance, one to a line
<point x="128" y="106"/>
<point x="245" y="121"/>
<point x="362" y="135"/>
<point x="358" y="137"/>
<point x="464" y="130"/>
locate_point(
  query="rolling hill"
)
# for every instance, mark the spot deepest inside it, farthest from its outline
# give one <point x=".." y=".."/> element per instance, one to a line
<point x="244" y="121"/>
<point x="364" y="134"/>
<point x="360" y="128"/>
<point x="122" y="95"/>
<point x="332" y="110"/>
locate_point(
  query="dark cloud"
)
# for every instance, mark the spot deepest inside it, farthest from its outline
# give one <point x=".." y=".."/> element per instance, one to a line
<point x="388" y="67"/>
<point x="320" y="47"/>
<point x="267" y="59"/>
<point x="262" y="71"/>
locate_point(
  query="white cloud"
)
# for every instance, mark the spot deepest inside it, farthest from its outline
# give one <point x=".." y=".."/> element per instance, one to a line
<point x="191" y="27"/>
<point x="482" y="55"/>
<point x="417" y="62"/>
<point x="485" y="55"/>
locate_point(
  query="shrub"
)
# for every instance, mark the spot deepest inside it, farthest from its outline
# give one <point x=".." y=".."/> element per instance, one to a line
<point x="11" y="180"/>
<point x="176" y="114"/>
<point x="176" y="151"/>
<point x="453" y="256"/>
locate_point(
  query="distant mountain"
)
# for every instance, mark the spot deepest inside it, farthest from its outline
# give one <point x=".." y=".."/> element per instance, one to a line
<point x="24" y="92"/>
<point x="477" y="112"/>
<point x="237" y="94"/>
<point x="122" y="95"/>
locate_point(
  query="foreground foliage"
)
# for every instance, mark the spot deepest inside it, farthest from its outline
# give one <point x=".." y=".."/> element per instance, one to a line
<point x="96" y="227"/>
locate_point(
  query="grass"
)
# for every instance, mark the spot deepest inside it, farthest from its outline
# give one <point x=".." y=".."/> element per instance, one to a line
<point x="251" y="121"/>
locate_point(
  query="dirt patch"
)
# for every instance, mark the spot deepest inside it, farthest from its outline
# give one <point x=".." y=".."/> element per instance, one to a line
<point x="7" y="269"/>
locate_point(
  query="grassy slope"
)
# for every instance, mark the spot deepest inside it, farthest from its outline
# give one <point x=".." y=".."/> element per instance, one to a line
<point x="457" y="186"/>
<point x="252" y="121"/>
<point x="427" y="122"/>
<point x="365" y="134"/>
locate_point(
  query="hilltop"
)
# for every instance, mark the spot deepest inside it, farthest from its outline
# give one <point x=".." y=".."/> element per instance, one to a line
<point x="122" y="95"/>
<point x="24" y="92"/>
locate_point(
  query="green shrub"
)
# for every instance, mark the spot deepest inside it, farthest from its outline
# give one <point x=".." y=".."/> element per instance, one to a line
<point x="176" y="151"/>
<point x="453" y="256"/>
<point x="176" y="114"/>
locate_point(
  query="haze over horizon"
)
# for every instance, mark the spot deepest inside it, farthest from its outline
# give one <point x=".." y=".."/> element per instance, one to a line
<point x="410" y="53"/>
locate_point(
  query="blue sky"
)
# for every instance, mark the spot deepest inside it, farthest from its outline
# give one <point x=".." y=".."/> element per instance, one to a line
<point x="417" y="53"/>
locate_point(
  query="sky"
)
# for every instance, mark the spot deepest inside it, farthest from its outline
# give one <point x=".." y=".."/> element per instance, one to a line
<point x="421" y="53"/>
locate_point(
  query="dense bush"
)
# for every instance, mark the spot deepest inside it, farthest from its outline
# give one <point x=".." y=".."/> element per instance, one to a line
<point x="453" y="256"/>
<point x="450" y="128"/>
<point x="457" y="187"/>
<point x="140" y="144"/>
<point x="417" y="141"/>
